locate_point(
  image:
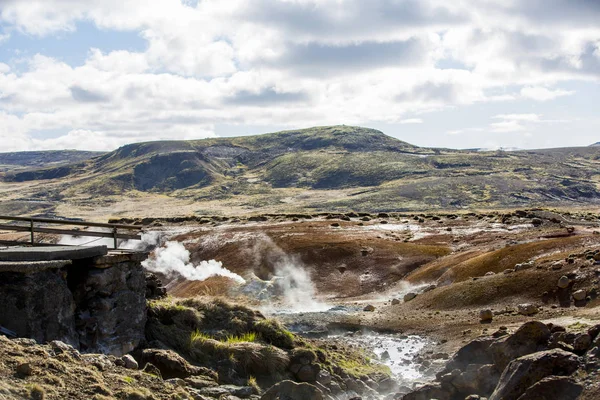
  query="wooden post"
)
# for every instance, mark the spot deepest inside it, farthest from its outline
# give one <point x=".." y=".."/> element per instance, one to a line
<point x="31" y="229"/>
<point x="115" y="237"/>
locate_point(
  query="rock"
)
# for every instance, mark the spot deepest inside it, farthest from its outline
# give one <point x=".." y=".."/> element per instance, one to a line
<point x="563" y="282"/>
<point x="200" y="382"/>
<point x="395" y="302"/>
<point x="594" y="331"/>
<point x="466" y="382"/>
<point x="176" y="382"/>
<point x="525" y="340"/>
<point x="553" y="387"/>
<point x="388" y="385"/>
<point x="170" y="364"/>
<point x="369" y="308"/>
<point x="151" y="369"/>
<point x="409" y="296"/>
<point x="556" y="265"/>
<point x="38" y="304"/>
<point x="59" y="347"/>
<point x="475" y="379"/>
<point x="385" y="356"/>
<point x="292" y="391"/>
<point x="536" y="222"/>
<point x="154" y="287"/>
<point x="360" y="387"/>
<point x="129" y="362"/>
<point x="490" y="273"/>
<point x="429" y="288"/>
<point x="428" y="392"/>
<point x="582" y="343"/>
<point x="308" y="373"/>
<point x="527" y="309"/>
<point x="525" y="371"/>
<point x="521" y="267"/>
<point x="474" y="352"/>
<point x="100" y="361"/>
<point x="324" y="377"/>
<point x="224" y="390"/>
<point x="486" y="315"/>
<point x="579" y="295"/>
<point x="487" y="378"/>
<point x="25" y="369"/>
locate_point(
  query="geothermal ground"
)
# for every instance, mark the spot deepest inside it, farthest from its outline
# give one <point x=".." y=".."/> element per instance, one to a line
<point x="410" y="288"/>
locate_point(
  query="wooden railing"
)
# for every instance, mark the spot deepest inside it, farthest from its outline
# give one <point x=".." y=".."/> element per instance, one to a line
<point x="33" y="226"/>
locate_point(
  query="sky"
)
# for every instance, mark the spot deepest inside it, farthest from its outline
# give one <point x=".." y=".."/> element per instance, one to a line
<point x="98" y="74"/>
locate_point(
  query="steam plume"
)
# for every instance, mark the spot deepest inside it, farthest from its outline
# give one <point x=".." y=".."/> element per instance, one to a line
<point x="291" y="277"/>
<point x="173" y="259"/>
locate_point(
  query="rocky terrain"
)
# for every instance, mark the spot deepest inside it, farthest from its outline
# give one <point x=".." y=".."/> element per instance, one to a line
<point x="337" y="168"/>
<point x="537" y="361"/>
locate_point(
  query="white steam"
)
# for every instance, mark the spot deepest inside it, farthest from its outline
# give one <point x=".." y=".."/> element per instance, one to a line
<point x="298" y="290"/>
<point x="291" y="282"/>
<point x="173" y="260"/>
<point x="87" y="240"/>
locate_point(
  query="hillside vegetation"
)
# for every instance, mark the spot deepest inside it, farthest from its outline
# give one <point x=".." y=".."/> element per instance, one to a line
<point x="298" y="169"/>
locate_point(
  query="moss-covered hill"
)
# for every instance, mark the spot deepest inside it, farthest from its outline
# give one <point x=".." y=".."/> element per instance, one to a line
<point x="395" y="175"/>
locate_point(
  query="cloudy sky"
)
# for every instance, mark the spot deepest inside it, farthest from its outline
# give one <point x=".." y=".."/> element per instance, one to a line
<point x="97" y="74"/>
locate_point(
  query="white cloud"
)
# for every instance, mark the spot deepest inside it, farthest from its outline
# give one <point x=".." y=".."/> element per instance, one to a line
<point x="519" y="117"/>
<point x="513" y="122"/>
<point x="119" y="61"/>
<point x="290" y="63"/>
<point x="520" y="122"/>
<point x="507" y="126"/>
<point x="411" y="121"/>
<point x="543" y="94"/>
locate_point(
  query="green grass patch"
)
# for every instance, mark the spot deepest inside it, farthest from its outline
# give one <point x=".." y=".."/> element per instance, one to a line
<point x="247" y="337"/>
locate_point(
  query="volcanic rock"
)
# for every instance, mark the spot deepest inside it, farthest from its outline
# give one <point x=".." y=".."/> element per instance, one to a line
<point x="525" y="371"/>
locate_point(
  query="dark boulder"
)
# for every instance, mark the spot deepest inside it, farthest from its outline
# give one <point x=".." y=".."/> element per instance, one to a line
<point x="553" y="387"/>
<point x="530" y="337"/>
<point x="527" y="370"/>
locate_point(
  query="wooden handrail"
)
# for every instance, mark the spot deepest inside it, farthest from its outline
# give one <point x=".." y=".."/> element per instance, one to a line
<point x="114" y="233"/>
<point x="69" y="222"/>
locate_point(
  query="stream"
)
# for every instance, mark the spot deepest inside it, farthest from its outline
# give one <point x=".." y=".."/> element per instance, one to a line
<point x="403" y="354"/>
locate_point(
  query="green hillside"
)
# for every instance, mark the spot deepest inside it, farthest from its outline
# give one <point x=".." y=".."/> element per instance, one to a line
<point x="382" y="172"/>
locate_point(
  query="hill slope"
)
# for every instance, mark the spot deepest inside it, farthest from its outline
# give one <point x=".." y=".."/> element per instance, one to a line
<point x="37" y="159"/>
<point x="325" y="168"/>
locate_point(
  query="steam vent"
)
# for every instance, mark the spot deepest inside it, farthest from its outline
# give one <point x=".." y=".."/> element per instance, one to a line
<point x="83" y="296"/>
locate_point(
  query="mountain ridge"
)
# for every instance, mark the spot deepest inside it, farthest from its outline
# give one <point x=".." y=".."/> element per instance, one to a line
<point x="335" y="167"/>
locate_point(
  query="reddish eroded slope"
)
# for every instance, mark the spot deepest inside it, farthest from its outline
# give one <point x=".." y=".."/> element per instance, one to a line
<point x="349" y="260"/>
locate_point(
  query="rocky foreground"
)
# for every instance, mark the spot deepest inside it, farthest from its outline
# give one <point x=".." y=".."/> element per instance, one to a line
<point x="214" y="350"/>
<point x="194" y="349"/>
